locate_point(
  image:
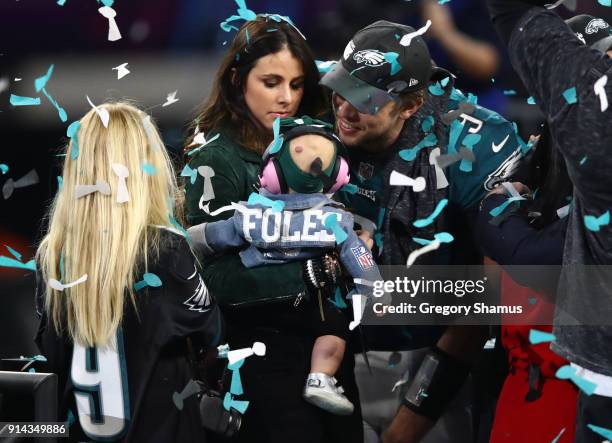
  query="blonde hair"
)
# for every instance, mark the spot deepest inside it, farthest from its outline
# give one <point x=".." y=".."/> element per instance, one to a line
<point x="99" y="237"/>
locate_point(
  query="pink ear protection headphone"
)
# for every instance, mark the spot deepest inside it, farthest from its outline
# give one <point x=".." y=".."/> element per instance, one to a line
<point x="271" y="175"/>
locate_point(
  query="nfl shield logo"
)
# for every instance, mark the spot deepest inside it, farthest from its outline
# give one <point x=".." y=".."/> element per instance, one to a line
<point x="363" y="256"/>
<point x="366" y="170"/>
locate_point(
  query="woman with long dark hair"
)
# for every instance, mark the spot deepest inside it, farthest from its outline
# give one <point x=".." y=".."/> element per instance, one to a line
<point x="268" y="72"/>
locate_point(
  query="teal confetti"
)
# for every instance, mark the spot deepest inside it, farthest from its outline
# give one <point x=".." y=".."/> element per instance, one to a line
<point x="607" y="3"/>
<point x="338" y="300"/>
<point x="410" y="154"/>
<point x="568" y="372"/>
<point x="605" y="433"/>
<point x="191" y="173"/>
<point x="593" y="223"/>
<point x="350" y="188"/>
<point x="258" y="199"/>
<point x="244" y="13"/>
<point x="509" y="92"/>
<point x="469" y="141"/>
<point x="536" y="337"/>
<point x="148" y="279"/>
<point x="421" y="223"/>
<point x="72" y="132"/>
<point x="61" y="265"/>
<point x="210" y="140"/>
<point x="40" y="82"/>
<point x="427" y="123"/>
<point x="325" y="66"/>
<point x="457" y="95"/>
<point x="108" y="3"/>
<point x="442" y="237"/>
<point x="4" y="168"/>
<point x="14" y="253"/>
<point x="583" y="161"/>
<point x="236" y="383"/>
<point x="492" y="79"/>
<point x="331" y="223"/>
<point x="8" y="262"/>
<point x="32" y="370"/>
<point x="531" y="101"/>
<point x="570" y="95"/>
<point x="277" y="143"/>
<point x="61" y="2"/>
<point x="471" y="98"/>
<point x="532" y="300"/>
<point x="391" y="58"/>
<point x="378" y="239"/>
<point x="149" y="169"/>
<point x="247" y="37"/>
<point x="62" y="113"/>
<point x="444" y="82"/>
<point x="178" y="226"/>
<point x="152" y="280"/>
<point x="456" y="129"/>
<point x="501" y="208"/>
<point x="17" y="100"/>
<point x="436" y="89"/>
<point x="60" y="182"/>
<point x="229" y="402"/>
<point x="443" y="2"/>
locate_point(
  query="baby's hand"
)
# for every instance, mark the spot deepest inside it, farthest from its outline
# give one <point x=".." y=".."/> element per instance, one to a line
<point x="366" y="238"/>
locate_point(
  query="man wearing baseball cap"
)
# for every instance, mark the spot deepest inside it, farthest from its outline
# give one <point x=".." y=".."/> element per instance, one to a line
<point x="398" y="113"/>
<point x="553" y="58"/>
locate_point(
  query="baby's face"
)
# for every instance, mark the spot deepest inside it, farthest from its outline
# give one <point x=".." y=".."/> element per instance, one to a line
<point x="306" y="148"/>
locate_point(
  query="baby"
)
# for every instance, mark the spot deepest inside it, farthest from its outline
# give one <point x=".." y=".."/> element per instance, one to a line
<point x="291" y="219"/>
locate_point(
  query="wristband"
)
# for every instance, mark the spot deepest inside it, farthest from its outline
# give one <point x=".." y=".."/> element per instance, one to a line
<point x="436" y="383"/>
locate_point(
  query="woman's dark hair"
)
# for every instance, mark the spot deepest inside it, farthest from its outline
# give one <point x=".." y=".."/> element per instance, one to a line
<point x="548" y="174"/>
<point x="226" y="106"/>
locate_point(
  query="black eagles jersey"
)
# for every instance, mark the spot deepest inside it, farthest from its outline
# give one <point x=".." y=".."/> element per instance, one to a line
<point x="124" y="392"/>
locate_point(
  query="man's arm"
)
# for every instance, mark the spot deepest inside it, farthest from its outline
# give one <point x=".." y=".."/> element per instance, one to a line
<point x="550" y="59"/>
<point x="476" y="58"/>
<point x="463" y="343"/>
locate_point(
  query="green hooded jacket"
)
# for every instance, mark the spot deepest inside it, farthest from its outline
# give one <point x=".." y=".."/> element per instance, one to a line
<point x="236" y="171"/>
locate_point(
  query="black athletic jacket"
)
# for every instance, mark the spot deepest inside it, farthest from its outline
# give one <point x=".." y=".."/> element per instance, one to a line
<point x="127" y="393"/>
<point x="550" y="59"/>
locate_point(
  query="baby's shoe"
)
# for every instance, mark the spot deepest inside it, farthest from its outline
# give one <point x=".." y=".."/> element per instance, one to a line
<point x="321" y="391"/>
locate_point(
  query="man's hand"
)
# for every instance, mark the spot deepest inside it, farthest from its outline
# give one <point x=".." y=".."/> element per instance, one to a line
<point x="407" y="427"/>
<point x="520" y="188"/>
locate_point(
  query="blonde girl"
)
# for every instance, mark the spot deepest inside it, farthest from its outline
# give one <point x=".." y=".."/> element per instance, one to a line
<point x="119" y="290"/>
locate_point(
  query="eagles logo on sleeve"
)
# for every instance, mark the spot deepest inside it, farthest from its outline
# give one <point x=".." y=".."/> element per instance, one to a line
<point x="200" y="300"/>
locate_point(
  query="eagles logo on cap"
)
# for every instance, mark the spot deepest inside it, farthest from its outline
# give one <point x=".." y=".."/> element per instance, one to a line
<point x="371" y="57"/>
<point x="595" y="25"/>
<point x="363" y="76"/>
<point x="592" y="31"/>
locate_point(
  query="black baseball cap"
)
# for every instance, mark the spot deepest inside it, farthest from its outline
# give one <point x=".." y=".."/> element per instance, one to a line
<point x="375" y="67"/>
<point x="592" y="31"/>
